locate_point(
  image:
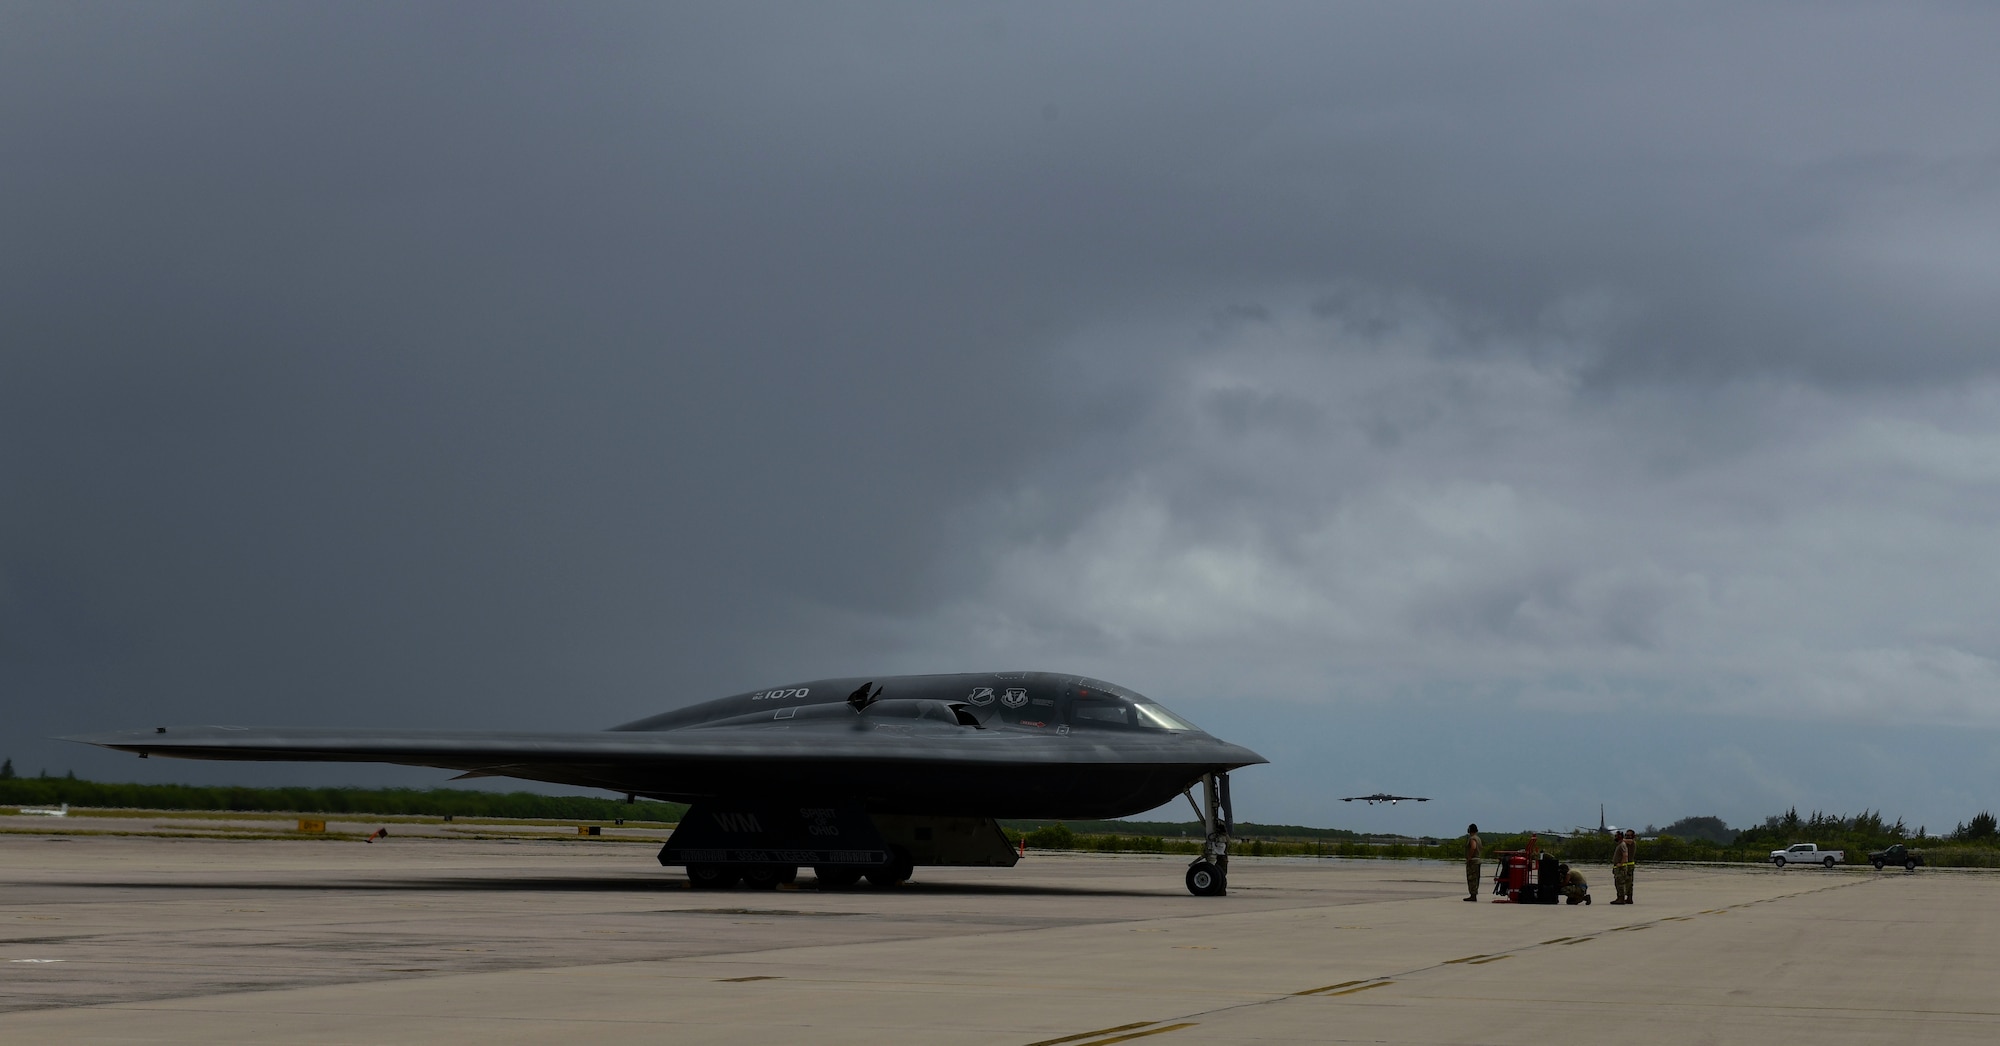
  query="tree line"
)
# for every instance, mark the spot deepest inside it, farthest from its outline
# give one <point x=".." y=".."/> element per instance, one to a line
<point x="1972" y="843"/>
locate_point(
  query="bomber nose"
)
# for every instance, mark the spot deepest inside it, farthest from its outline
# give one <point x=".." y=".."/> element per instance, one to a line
<point x="1241" y="756"/>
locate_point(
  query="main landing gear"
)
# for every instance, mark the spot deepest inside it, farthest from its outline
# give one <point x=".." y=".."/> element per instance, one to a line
<point x="721" y="876"/>
<point x="754" y="876"/>
<point x="896" y="872"/>
<point x="1208" y="876"/>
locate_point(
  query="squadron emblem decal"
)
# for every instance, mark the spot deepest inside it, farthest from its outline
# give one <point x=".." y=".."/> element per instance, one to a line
<point x="1015" y="697"/>
<point x="981" y="695"/>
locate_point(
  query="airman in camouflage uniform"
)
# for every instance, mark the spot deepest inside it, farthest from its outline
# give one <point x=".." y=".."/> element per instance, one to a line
<point x="1575" y="888"/>
<point x="1472" y="863"/>
<point x="1623" y="858"/>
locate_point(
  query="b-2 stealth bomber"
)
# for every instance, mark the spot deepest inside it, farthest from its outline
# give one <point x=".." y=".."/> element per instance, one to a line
<point x="851" y="777"/>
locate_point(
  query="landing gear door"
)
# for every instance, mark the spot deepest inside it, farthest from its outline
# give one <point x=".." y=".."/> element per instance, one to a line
<point x="773" y="833"/>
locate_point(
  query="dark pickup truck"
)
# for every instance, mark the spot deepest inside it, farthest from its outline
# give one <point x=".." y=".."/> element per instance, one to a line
<point x="1896" y="854"/>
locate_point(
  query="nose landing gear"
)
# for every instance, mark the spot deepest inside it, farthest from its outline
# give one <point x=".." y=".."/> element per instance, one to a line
<point x="1208" y="876"/>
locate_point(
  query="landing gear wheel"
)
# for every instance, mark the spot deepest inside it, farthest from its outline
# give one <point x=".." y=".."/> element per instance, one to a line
<point x="1586" y="898"/>
<point x="1828" y="862"/>
<point x="896" y="872"/>
<point x="768" y="876"/>
<point x="712" y="876"/>
<point x="836" y="877"/>
<point x="1208" y="875"/>
<point x="1206" y="880"/>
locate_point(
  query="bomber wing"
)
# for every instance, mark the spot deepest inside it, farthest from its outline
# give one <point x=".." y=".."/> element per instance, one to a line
<point x="910" y="761"/>
<point x="906" y="762"/>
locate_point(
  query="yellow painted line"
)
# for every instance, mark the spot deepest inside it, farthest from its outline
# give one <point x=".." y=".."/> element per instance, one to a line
<point x="1140" y="1034"/>
<point x="1676" y="919"/>
<point x="1092" y="1034"/>
<point x="1468" y="958"/>
<point x="1495" y="958"/>
<point x="1363" y="988"/>
<point x="1330" y="987"/>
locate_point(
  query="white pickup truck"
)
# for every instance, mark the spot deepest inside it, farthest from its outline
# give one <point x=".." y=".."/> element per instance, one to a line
<point x="1807" y="853"/>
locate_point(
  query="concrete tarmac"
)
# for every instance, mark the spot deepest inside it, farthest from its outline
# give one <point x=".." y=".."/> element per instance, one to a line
<point x="180" y="940"/>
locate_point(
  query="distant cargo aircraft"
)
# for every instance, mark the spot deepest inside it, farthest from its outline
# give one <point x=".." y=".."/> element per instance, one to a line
<point x="850" y="777"/>
<point x="47" y="811"/>
<point x="1384" y="797"/>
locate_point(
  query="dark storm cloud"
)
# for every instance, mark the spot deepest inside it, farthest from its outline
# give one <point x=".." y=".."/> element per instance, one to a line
<point x="528" y="365"/>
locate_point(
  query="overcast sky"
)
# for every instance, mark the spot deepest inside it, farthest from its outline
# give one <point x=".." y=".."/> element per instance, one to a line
<point x="1525" y="405"/>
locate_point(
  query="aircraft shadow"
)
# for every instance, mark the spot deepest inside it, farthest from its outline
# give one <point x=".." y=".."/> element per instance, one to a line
<point x="608" y="884"/>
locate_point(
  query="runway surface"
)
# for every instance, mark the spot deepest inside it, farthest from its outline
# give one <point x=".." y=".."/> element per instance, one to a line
<point x="413" y="939"/>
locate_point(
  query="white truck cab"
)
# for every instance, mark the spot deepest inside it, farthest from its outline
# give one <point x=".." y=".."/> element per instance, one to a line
<point x="1807" y="853"/>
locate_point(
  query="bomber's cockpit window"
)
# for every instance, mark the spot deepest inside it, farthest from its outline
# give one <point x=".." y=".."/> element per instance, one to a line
<point x="1097" y="704"/>
<point x="1158" y="717"/>
<point x="1105" y="711"/>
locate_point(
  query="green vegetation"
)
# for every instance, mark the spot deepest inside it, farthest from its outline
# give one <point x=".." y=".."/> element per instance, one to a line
<point x="1185" y="837"/>
<point x="1710" y="829"/>
<point x="1191" y="829"/>
<point x="1972" y="844"/>
<point x="434" y="802"/>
